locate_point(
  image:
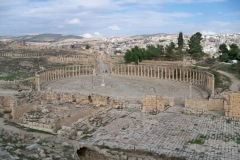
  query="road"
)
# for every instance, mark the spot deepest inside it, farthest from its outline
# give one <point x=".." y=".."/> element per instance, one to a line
<point x="235" y="85"/>
<point x="102" y="67"/>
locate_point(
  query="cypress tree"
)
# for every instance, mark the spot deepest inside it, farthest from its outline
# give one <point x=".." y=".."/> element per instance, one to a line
<point x="180" y="41"/>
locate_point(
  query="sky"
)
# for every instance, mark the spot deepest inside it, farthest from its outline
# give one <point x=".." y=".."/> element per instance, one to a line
<point x="109" y="18"/>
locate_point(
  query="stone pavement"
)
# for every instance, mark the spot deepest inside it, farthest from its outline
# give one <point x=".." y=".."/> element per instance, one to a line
<point x="125" y="87"/>
<point x="173" y="134"/>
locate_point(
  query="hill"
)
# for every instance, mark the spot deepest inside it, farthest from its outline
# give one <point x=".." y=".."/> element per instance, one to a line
<point x="41" y="38"/>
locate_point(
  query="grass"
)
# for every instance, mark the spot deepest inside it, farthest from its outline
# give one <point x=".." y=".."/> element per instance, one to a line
<point x="226" y="68"/>
<point x="238" y="140"/>
<point x="228" y="121"/>
<point x="12" y="76"/>
<point x="196" y="141"/>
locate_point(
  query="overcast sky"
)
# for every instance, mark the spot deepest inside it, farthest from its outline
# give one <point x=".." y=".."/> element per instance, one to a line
<point x="106" y="18"/>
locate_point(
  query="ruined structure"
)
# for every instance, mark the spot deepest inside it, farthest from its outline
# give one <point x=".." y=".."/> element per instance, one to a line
<point x="155" y="104"/>
<point x="74" y="59"/>
<point x="64" y="72"/>
<point x="232" y="105"/>
<point x="186" y="75"/>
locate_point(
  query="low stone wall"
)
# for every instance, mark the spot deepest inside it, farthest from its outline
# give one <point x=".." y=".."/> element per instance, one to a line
<point x="155" y="104"/>
<point x="72" y="119"/>
<point x="202" y="106"/>
<point x="19" y="111"/>
<point x="39" y="126"/>
<point x="93" y="99"/>
<point x="216" y="104"/>
<point x="22" y="55"/>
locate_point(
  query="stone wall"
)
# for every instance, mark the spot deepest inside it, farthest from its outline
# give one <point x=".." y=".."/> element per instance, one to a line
<point x="199" y="78"/>
<point x="216" y="104"/>
<point x="19" y="111"/>
<point x="73" y="118"/>
<point x="232" y="105"/>
<point x="22" y="55"/>
<point x="74" y="59"/>
<point x="93" y="99"/>
<point x="202" y="106"/>
<point x="155" y="104"/>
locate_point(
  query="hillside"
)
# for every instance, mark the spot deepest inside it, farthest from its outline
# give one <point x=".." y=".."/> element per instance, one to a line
<point x="41" y="38"/>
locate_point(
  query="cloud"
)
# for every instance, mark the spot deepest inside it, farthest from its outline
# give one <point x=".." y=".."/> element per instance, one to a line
<point x="74" y="21"/>
<point x="206" y="32"/>
<point x="144" y="2"/>
<point x="114" y="27"/>
<point x="87" y="35"/>
<point x="79" y="17"/>
<point x="97" y="34"/>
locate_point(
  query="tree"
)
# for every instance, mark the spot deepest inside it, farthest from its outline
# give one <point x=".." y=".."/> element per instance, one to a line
<point x="153" y="52"/>
<point x="136" y="55"/>
<point x="224" y="57"/>
<point x="234" y="52"/>
<point x="170" y="51"/>
<point x="195" y="48"/>
<point x="236" y="67"/>
<point x="180" y="41"/>
<point x="223" y="48"/>
<point x="88" y="46"/>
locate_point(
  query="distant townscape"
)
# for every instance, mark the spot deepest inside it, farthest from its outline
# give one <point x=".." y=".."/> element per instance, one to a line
<point x="119" y="45"/>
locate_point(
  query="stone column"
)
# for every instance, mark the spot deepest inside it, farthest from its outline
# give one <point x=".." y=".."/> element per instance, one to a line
<point x="176" y="74"/>
<point x="212" y="85"/>
<point x="161" y="72"/>
<point x="150" y="72"/>
<point x="169" y="72"/>
<point x="38" y="82"/>
<point x="190" y="90"/>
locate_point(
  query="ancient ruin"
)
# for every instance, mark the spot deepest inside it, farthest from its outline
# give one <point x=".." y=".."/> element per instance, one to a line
<point x="111" y="108"/>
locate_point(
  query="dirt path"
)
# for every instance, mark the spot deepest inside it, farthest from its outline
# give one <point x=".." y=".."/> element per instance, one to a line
<point x="235" y="86"/>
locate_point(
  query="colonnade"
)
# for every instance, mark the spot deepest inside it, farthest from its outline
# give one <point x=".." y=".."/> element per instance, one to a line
<point x="72" y="59"/>
<point x="196" y="77"/>
<point x="64" y="72"/>
<point x="22" y="55"/>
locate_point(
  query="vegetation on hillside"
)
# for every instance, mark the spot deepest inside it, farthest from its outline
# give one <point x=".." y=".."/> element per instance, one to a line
<point x="169" y="52"/>
<point x="229" y="54"/>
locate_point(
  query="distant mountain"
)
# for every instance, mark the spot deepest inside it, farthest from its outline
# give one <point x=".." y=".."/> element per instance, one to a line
<point x="42" y="38"/>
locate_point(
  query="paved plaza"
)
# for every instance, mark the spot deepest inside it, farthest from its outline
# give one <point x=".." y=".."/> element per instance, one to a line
<point x="125" y="87"/>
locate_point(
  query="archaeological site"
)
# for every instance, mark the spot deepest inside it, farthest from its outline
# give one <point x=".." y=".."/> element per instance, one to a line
<point x="59" y="103"/>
